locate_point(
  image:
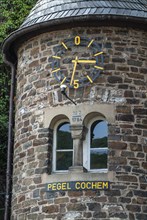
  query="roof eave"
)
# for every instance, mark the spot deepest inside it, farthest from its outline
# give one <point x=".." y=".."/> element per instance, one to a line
<point x="16" y="38"/>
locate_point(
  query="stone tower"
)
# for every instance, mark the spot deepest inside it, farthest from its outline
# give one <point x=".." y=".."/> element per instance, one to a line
<point x="80" y="68"/>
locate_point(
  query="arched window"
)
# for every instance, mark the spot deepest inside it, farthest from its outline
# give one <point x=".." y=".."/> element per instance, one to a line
<point x="98" y="145"/>
<point x="95" y="149"/>
<point x="63" y="147"/>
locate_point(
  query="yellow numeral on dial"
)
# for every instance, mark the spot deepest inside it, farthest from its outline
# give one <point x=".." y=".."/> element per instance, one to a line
<point x="76" y="84"/>
<point x="77" y="40"/>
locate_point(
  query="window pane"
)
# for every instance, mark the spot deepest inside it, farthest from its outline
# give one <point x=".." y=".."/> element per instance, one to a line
<point x="99" y="145"/>
<point x="99" y="134"/>
<point x="98" y="158"/>
<point x="64" y="160"/>
<point x="64" y="140"/>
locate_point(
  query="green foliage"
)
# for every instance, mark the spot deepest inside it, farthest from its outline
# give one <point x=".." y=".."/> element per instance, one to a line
<point x="64" y="140"/>
<point x="98" y="161"/>
<point x="99" y="142"/>
<point x="4" y="105"/>
<point x="12" y="14"/>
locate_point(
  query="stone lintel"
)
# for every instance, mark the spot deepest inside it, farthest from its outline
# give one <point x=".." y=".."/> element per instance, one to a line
<point x="77" y="131"/>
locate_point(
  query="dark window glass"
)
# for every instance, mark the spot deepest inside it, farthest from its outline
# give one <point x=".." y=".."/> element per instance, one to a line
<point x="64" y="140"/>
<point x="98" y="145"/>
<point x="64" y="160"/>
<point x="64" y="149"/>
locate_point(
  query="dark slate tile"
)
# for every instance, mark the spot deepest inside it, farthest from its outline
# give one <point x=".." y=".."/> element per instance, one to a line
<point x="68" y="13"/>
<point x="59" y="14"/>
<point x="99" y="10"/>
<point x="126" y="12"/>
<point x="64" y="14"/>
<point x="54" y="15"/>
<point x="121" y="5"/>
<point x="106" y="11"/>
<point x="93" y="11"/>
<point x="101" y="4"/>
<point x="142" y="14"/>
<point x="45" y="10"/>
<point x="81" y="12"/>
<point x="87" y="11"/>
<point x="48" y="17"/>
<point x="125" y="4"/>
<point x="114" y="4"/>
<point x="134" y="13"/>
<point x="113" y="11"/>
<point x="75" y="12"/>
<point x="73" y="5"/>
<point x="67" y="7"/>
<point x="44" y="18"/>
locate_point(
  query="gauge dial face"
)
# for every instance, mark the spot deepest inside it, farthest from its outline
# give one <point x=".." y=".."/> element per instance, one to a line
<point x="77" y="61"/>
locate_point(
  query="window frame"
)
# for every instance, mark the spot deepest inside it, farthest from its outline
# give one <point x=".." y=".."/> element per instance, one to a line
<point x="87" y="147"/>
<point x="54" y="152"/>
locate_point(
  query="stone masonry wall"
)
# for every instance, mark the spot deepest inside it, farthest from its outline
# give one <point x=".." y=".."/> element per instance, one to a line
<point x="123" y="84"/>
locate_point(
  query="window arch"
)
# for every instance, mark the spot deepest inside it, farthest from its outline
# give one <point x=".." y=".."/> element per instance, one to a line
<point x="96" y="145"/>
<point x="62" y="147"/>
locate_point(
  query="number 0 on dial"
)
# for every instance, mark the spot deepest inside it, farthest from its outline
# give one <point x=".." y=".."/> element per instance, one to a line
<point x="77" y="62"/>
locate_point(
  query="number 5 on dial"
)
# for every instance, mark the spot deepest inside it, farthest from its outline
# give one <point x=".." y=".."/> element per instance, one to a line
<point x="76" y="84"/>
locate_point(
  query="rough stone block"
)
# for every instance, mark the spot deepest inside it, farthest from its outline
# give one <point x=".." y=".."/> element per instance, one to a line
<point x="50" y="209"/>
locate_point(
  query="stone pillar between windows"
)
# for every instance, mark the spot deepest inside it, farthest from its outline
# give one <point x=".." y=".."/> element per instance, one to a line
<point x="78" y="135"/>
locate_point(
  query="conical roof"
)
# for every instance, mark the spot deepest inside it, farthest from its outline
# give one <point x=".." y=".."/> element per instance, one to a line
<point x="49" y="10"/>
<point x="50" y="15"/>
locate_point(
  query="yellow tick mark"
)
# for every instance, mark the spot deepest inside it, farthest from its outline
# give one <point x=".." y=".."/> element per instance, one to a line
<point x="56" y="70"/>
<point x="90" y="43"/>
<point x="63" y="81"/>
<point x="56" y="57"/>
<point x="64" y="45"/>
<point x="88" y="77"/>
<point x="97" y="54"/>
<point x="99" y="67"/>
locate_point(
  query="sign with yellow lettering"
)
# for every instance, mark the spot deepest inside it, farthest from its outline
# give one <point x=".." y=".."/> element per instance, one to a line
<point x="78" y="185"/>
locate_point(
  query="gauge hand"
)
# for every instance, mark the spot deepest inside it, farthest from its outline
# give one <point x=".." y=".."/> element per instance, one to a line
<point x="84" y="61"/>
<point x="74" y="69"/>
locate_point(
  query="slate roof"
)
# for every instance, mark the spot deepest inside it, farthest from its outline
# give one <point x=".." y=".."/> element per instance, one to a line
<point x="50" y="15"/>
<point x="49" y="10"/>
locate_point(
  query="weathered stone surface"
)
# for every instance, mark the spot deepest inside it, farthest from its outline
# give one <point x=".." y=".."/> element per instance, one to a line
<point x="61" y="200"/>
<point x="125" y="200"/>
<point x="144" y="165"/>
<point x="94" y="206"/>
<point x="72" y="215"/>
<point x="29" y="203"/>
<point x="130" y="138"/>
<point x="99" y="215"/>
<point x="118" y="145"/>
<point x="114" y="79"/>
<point x="127" y="178"/>
<point x="32" y="216"/>
<point x="133" y="208"/>
<point x="36" y="193"/>
<point x="123" y="109"/>
<point x="39" y="142"/>
<point x="140" y="193"/>
<point x="119" y="215"/>
<point x="50" y="209"/>
<point x="76" y="207"/>
<point x="141" y="216"/>
<point x="123" y="117"/>
<point x="121" y="84"/>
